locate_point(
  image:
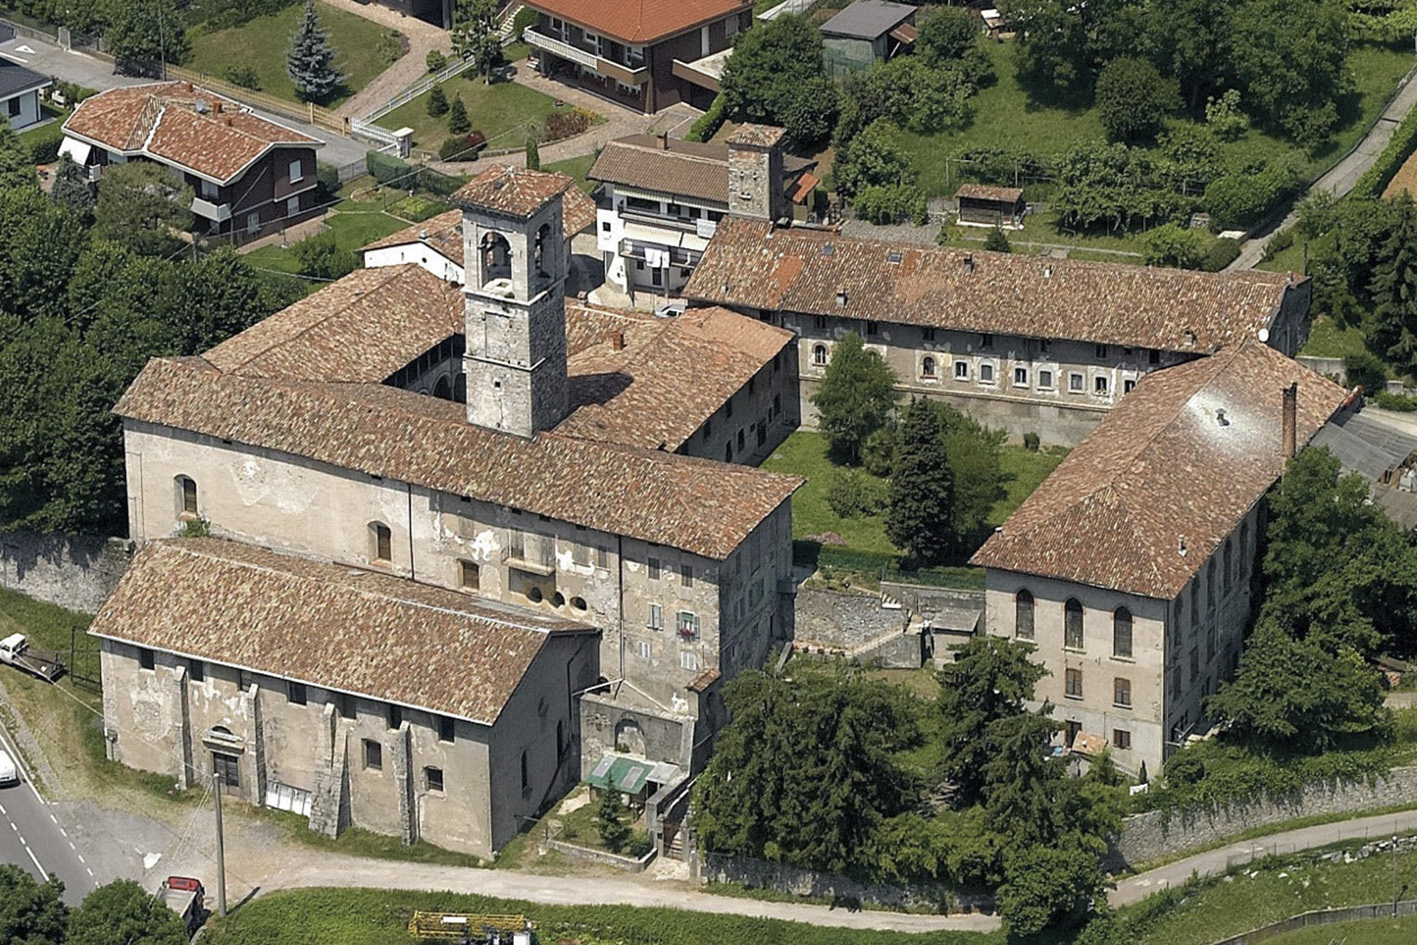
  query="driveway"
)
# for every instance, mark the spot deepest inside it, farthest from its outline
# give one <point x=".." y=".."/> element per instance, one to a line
<point x="422" y="37"/>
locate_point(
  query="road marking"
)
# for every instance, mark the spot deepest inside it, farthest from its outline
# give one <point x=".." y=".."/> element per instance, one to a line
<point x="81" y="856"/>
<point x="55" y="819"/>
<point x="37" y="865"/>
<point x="2" y="810"/>
<point x="90" y="872"/>
<point x="15" y="58"/>
<point x="63" y="831"/>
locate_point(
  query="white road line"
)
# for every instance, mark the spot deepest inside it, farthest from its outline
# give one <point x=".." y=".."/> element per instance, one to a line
<point x="72" y="847"/>
<point x="2" y="810"/>
<point x="63" y="831"/>
<point x="55" y="819"/>
<point x="37" y="865"/>
<point x="90" y="872"/>
<point x="81" y="856"/>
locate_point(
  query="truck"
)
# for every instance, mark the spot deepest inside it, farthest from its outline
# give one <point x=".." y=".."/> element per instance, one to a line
<point x="16" y="651"/>
<point x="185" y="896"/>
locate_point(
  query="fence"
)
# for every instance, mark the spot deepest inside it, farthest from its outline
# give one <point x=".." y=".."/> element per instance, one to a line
<point x="418" y="88"/>
<point x="787" y="6"/>
<point x="308" y="112"/>
<point x="362" y="128"/>
<point x="1379" y="910"/>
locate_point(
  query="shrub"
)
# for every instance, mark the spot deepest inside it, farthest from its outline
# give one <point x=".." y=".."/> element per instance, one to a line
<point x="45" y="150"/>
<point x="387" y="169"/>
<point x="997" y="241"/>
<point x="890" y="203"/>
<point x="850" y="494"/>
<point x="392" y="45"/>
<point x="328" y="176"/>
<point x="1224" y="116"/>
<point x="436" y="61"/>
<point x="707" y="124"/>
<point x="437" y="101"/>
<point x="1031" y="442"/>
<point x="525" y="17"/>
<point x="320" y="257"/>
<point x="1222" y="253"/>
<point x="1173" y="245"/>
<point x="1399" y="148"/>
<point x="456" y="148"/>
<point x="1399" y="402"/>
<point x="567" y="123"/>
<point x="1365" y="369"/>
<point x="1279" y="242"/>
<point x="244" y="77"/>
<point x="1243" y="197"/>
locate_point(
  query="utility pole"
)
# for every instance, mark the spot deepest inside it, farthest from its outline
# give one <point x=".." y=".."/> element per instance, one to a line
<point x="220" y="848"/>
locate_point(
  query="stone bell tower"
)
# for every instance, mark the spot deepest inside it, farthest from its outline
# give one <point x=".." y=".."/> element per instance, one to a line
<point x="755" y="173"/>
<point x="515" y="307"/>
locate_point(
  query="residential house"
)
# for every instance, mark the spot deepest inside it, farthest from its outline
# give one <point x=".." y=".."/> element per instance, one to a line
<point x="20" y="91"/>
<point x="663" y="199"/>
<point x="1130" y="568"/>
<point x="865" y="33"/>
<point x="479" y="442"/>
<point x="634" y="52"/>
<point x="250" y="175"/>
<point x="1021" y="343"/>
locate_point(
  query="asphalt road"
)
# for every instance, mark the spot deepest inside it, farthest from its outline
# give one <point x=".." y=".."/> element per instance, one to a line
<point x="32" y="837"/>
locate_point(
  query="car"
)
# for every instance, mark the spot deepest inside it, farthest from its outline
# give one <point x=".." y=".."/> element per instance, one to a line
<point x="9" y="771"/>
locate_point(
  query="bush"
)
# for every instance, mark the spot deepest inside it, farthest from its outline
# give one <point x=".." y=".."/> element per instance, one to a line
<point x="1279" y="242"/>
<point x="456" y="148"/>
<point x="328" y="176"/>
<point x="707" y="124"/>
<point x="1222" y="253"/>
<point x="891" y="203"/>
<point x="458" y="122"/>
<point x="525" y="17"/>
<point x="851" y="494"/>
<point x="997" y="241"/>
<point x="1173" y="245"/>
<point x="45" y="150"/>
<point x="1031" y="442"/>
<point x="567" y="123"/>
<point x="392" y="45"/>
<point x="1399" y="148"/>
<point x="388" y="170"/>
<point x="1362" y="368"/>
<point x="320" y="257"/>
<point x="1243" y="198"/>
<point x="1224" y="117"/>
<point x="1399" y="402"/>
<point x="436" y="61"/>
<point x="243" y="76"/>
<point x="436" y="182"/>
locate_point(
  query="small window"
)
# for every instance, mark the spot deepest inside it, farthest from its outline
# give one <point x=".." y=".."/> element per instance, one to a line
<point x="253" y="222"/>
<point x="927" y="334"/>
<point x="295" y="693"/>
<point x="1075" y="382"/>
<point x="1101" y="351"/>
<point x="1072" y="624"/>
<point x="1020" y="377"/>
<point x="961" y="370"/>
<point x="1229" y="569"/>
<point x="1210" y="643"/>
<point x="1176" y="682"/>
<point x="687" y="624"/>
<point x="209" y="190"/>
<point x="373" y="755"/>
<point x="605" y="226"/>
<point x="1122" y="692"/>
<point x="196" y="670"/>
<point x="433" y="779"/>
<point x="653" y="569"/>
<point x="986" y="373"/>
<point x="1045" y="380"/>
<point x="656" y="617"/>
<point x="819" y="355"/>
<point x="383" y="540"/>
<point x="686" y="575"/>
<point x="689" y="660"/>
<point x="447" y="729"/>
<point x="820" y="322"/>
<point x="927" y="367"/>
<point x="1195" y="664"/>
<point x="986" y="341"/>
<point x="728" y="407"/>
<point x="1153" y="356"/>
<point x="348" y="708"/>
<point x="1023" y="614"/>
<point x="642" y="649"/>
<point x="1122" y="633"/>
<point x="873" y="328"/>
<point x="1121" y="739"/>
<point x="1072" y="683"/>
<point x="1128" y="386"/>
<point x="394" y="717"/>
<point x="187" y="495"/>
<point x="1099" y="385"/>
<point x="469" y="575"/>
<point x="526" y="776"/>
<point x="145" y="659"/>
<point x="297" y="174"/>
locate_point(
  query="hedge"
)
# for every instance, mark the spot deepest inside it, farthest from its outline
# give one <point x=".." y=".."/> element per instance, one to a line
<point x="707" y="124"/>
<point x="1399" y="148"/>
<point x="388" y="170"/>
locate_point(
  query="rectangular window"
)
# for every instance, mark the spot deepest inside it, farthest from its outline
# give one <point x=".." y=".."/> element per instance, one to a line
<point x="1176" y="682"/>
<point x="146" y="660"/>
<point x="1153" y="356"/>
<point x="469" y="576"/>
<point x="653" y="569"/>
<point x="642" y="649"/>
<point x="383" y="543"/>
<point x="296" y="174"/>
<point x="196" y="671"/>
<point x="433" y="779"/>
<point x="295" y="693"/>
<point x="1045" y="380"/>
<point x="961" y="370"/>
<point x="656" y="617"/>
<point x="1099" y="384"/>
<point x="373" y="755"/>
<point x="189" y="496"/>
<point x="210" y="191"/>
<point x="689" y="660"/>
<point x="1075" y="382"/>
<point x="986" y="341"/>
<point x="686" y="575"/>
<point x="1101" y="351"/>
<point x="447" y="729"/>
<point x="1128" y="386"/>
<point x="1122" y="692"/>
<point x="1122" y="739"/>
<point x="873" y="328"/>
<point x="986" y="373"/>
<point x="253" y="222"/>
<point x="602" y="558"/>
<point x="14" y="107"/>
<point x="927" y="334"/>
<point x="348" y="708"/>
<point x="1020" y="377"/>
<point x="1073" y="684"/>
<point x="1195" y="664"/>
<point x="394" y="716"/>
<point x="687" y="624"/>
<point x="292" y="206"/>
<point x="1210" y="643"/>
<point x="821" y="322"/>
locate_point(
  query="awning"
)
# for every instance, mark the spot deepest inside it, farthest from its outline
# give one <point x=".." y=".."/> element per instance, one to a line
<point x="905" y="33"/>
<point x="627" y="775"/>
<point x="78" y="151"/>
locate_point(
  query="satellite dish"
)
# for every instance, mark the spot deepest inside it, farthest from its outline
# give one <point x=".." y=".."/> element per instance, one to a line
<point x="1264" y="335"/>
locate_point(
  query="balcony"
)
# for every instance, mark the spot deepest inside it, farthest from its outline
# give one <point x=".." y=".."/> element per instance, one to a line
<point x="532" y="554"/>
<point x="590" y="59"/>
<point x="218" y="212"/>
<point x="660" y="255"/>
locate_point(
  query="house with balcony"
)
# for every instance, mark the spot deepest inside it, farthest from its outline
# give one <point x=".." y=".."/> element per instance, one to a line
<point x="663" y="198"/>
<point x="633" y="52"/>
<point x="249" y="175"/>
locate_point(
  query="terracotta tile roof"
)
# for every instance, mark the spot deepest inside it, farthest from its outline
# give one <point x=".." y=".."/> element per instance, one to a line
<point x="639" y="21"/>
<point x="686" y="168"/>
<point x="162" y="121"/>
<point x="410" y="309"/>
<point x="653" y="384"/>
<point x="1163" y="471"/>
<point x="757" y="136"/>
<point x="707" y="508"/>
<point x="591" y="325"/>
<point x="982" y="192"/>
<point x="749" y="263"/>
<point x="510" y="191"/>
<point x="327" y="625"/>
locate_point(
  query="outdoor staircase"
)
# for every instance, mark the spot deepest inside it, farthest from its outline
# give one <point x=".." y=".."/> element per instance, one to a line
<point x="507" y="21"/>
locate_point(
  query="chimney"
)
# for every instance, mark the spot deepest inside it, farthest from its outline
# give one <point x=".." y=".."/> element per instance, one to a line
<point x="1291" y="419"/>
<point x="617" y="341"/>
<point x="216" y="108"/>
<point x="227" y="121"/>
<point x="969" y="262"/>
<point x="841" y="297"/>
<point x="186" y="86"/>
<point x="664" y="141"/>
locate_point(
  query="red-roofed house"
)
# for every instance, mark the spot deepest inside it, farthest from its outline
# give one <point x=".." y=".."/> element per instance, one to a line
<point x="249" y="175"/>
<point x="626" y="50"/>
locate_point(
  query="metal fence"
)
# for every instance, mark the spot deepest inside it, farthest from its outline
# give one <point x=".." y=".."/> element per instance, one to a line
<point x="308" y="112"/>
<point x="418" y="88"/>
<point x="787" y="6"/>
<point x="1381" y="910"/>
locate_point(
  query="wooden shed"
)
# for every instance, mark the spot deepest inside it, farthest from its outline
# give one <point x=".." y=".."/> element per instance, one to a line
<point x="980" y="205"/>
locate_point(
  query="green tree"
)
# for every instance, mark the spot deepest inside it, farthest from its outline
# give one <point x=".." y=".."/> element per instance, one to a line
<point x="16" y="166"/>
<point x="437" y="101"/>
<point x="310" y="61"/>
<point x="1174" y="245"/>
<point x="533" y="153"/>
<point x="1133" y="99"/>
<point x="1288" y="57"/>
<point x="946" y="34"/>
<point x="920" y="511"/>
<point x="978" y="479"/>
<point x="989" y="679"/>
<point x="145" y="35"/>
<point x="475" y="35"/>
<point x="610" y="820"/>
<point x="1051" y="46"/>
<point x="142" y="205"/>
<point x="1100" y="184"/>
<point x="1189" y="41"/>
<point x="884" y="204"/>
<point x="221" y="295"/>
<point x="1362" y="369"/>
<point x="321" y="257"/>
<point x="1394" y="289"/>
<point x="1047" y="888"/>
<point x="31" y="913"/>
<point x="458" y="122"/>
<point x="123" y="913"/>
<point x="774" y="75"/>
<point x="997" y="241"/>
<point x="873" y="157"/>
<point x="71" y="189"/>
<point x="856" y="396"/>
<point x="1021" y="780"/>
<point x="40" y="242"/>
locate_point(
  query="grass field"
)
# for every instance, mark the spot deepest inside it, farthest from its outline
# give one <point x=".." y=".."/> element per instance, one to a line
<point x="1372" y="932"/>
<point x="505" y="112"/>
<point x="263" y="42"/>
<point x="576" y="167"/>
<point x="1328" y="340"/>
<point x="357" y="226"/>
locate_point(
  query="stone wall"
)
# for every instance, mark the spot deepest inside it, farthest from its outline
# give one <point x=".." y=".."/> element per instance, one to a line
<point x="841" y="621"/>
<point x="627" y="863"/>
<point x="1156" y="834"/>
<point x="1328" y="367"/>
<point x="77" y="573"/>
<point x="757" y="874"/>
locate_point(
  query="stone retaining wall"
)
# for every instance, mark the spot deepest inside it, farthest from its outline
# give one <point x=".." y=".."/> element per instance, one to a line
<point x="840" y="620"/>
<point x="626" y="863"/>
<point x="74" y="572"/>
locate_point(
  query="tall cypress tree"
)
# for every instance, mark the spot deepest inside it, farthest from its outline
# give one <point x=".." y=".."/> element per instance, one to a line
<point x="920" y="514"/>
<point x="1394" y="289"/>
<point x="310" y="62"/>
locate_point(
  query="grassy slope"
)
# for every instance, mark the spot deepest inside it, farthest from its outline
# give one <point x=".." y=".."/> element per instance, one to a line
<point x="576" y="167"/>
<point x="1375" y="932"/>
<point x="262" y="44"/>
<point x="353" y="228"/>
<point x="505" y="112"/>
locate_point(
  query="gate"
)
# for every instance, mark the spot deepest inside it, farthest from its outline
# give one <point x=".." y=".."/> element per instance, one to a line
<point x="7" y="32"/>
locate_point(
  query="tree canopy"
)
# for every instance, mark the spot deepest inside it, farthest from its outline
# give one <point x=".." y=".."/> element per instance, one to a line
<point x="31" y="913"/>
<point x="143" y="205"/>
<point x="16" y="167"/>
<point x="142" y="35"/>
<point x="775" y="74"/>
<point x="856" y="396"/>
<point x="123" y="913"/>
<point x="920" y="511"/>
<point x="1133" y="99"/>
<point x="475" y="36"/>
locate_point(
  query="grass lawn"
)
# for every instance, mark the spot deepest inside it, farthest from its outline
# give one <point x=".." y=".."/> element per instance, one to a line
<point x="505" y="112"/>
<point x="262" y="44"/>
<point x="1373" y="932"/>
<point x="1328" y="340"/>
<point x="353" y="228"/>
<point x="576" y="167"/>
<point x="378" y="917"/>
<point x="1023" y="472"/>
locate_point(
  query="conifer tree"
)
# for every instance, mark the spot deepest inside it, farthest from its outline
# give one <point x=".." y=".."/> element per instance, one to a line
<point x="920" y="514"/>
<point x="457" y="117"/>
<point x="614" y="832"/>
<point x="16" y="166"/>
<point x="533" y="154"/>
<point x="310" y="62"/>
<point x="437" y="102"/>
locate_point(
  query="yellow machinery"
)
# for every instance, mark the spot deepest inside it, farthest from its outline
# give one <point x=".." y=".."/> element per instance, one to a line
<point x="467" y="926"/>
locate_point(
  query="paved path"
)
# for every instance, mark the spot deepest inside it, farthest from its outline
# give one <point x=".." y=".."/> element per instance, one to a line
<point x="422" y="37"/>
<point x="1217" y="861"/>
<point x="1340" y="178"/>
<point x="32" y="837"/>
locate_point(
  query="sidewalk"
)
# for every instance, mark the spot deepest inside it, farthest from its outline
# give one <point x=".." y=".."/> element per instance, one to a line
<point x="422" y="37"/>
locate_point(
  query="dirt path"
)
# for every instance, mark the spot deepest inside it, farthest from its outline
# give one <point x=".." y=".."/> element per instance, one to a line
<point x="422" y="37"/>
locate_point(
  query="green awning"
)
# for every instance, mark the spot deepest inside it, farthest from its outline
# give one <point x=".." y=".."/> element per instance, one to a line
<point x="627" y="775"/>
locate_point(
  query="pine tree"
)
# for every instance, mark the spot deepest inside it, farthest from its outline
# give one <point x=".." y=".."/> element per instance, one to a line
<point x="920" y="513"/>
<point x="437" y="102"/>
<point x="310" y="62"/>
<point x="71" y="186"/>
<point x="16" y="166"/>
<point x="533" y="154"/>
<point x="457" y="117"/>
<point x="1394" y="289"/>
<point x="614" y="832"/>
<point x="475" y="35"/>
<point x="997" y="241"/>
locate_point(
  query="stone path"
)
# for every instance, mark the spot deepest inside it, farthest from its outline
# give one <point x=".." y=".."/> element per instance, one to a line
<point x="422" y="37"/>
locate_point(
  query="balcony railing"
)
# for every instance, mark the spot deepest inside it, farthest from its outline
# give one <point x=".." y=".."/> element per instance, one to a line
<point x="667" y="255"/>
<point x="627" y="74"/>
<point x="220" y="212"/>
<point x="533" y="555"/>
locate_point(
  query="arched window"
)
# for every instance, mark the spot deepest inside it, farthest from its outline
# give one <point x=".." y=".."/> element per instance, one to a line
<point x="540" y="247"/>
<point x="927" y="366"/>
<point x="496" y="255"/>
<point x="1023" y="614"/>
<point x="381" y="543"/>
<point x="1210" y="588"/>
<point x="1122" y="633"/>
<point x="1072" y="624"/>
<point x="819" y="355"/>
<point x="443" y="390"/>
<point x="1228" y="568"/>
<point x="186" y="496"/>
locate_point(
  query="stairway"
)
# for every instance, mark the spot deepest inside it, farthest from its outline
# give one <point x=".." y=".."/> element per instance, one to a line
<point x="508" y="17"/>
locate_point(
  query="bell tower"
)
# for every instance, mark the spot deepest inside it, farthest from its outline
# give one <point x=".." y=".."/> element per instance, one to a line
<point x="513" y="249"/>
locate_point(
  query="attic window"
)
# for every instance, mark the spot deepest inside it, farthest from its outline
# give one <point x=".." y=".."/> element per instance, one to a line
<point x="893" y="256"/>
<point x="828" y="249"/>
